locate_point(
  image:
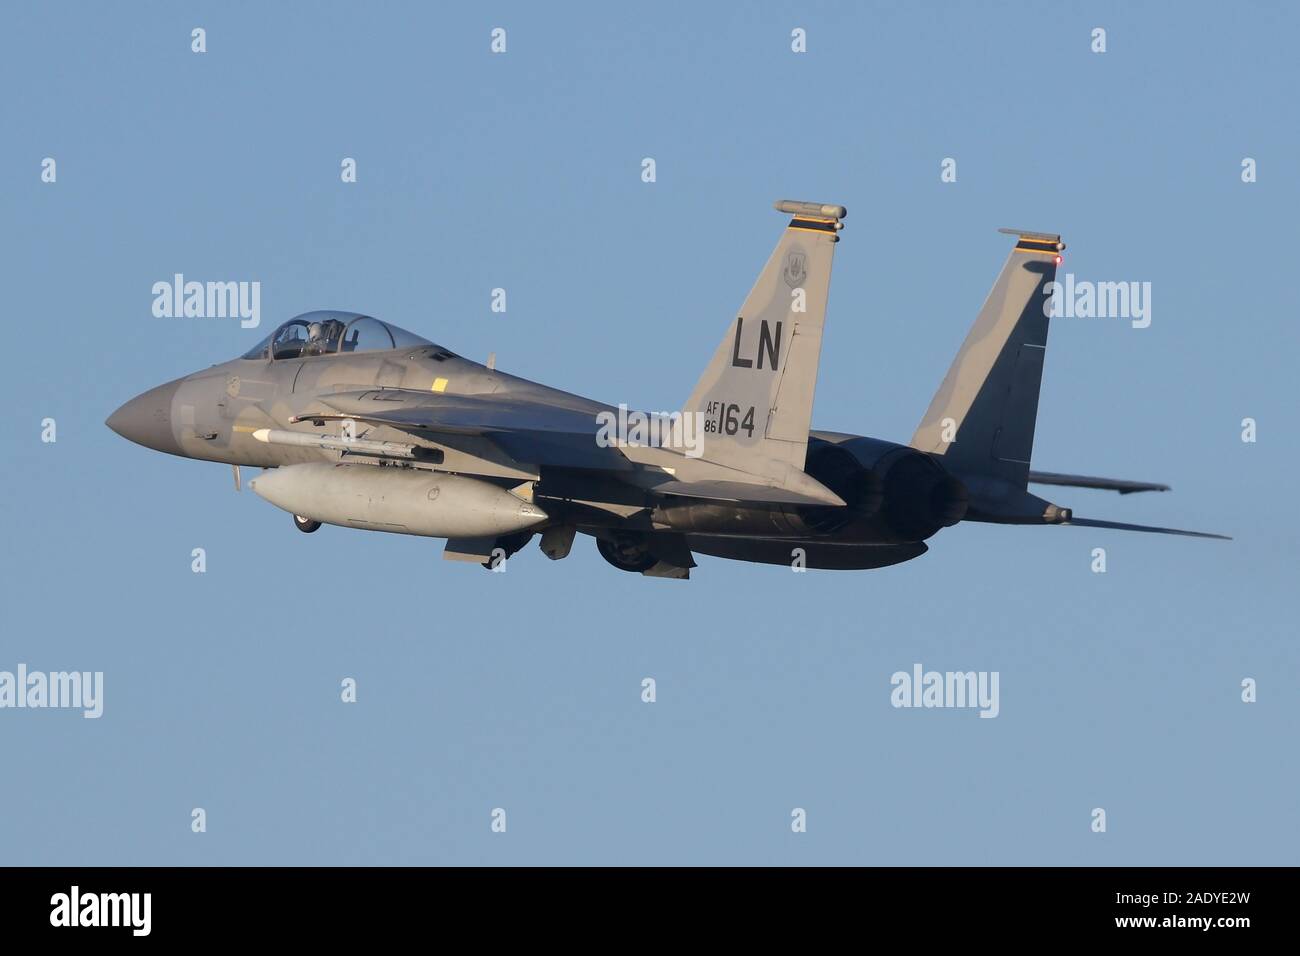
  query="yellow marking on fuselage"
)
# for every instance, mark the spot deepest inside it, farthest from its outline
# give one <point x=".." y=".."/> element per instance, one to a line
<point x="439" y="385"/>
<point x="247" y="429"/>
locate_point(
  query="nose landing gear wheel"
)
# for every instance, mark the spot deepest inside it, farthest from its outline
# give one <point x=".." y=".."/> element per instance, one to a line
<point x="305" y="525"/>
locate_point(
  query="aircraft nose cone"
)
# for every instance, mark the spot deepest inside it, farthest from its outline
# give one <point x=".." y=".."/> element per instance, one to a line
<point x="147" y="419"/>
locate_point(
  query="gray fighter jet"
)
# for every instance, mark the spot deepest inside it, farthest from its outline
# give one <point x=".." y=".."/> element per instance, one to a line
<point x="364" y="425"/>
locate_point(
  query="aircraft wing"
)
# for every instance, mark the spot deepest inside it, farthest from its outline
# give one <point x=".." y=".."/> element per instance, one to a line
<point x="527" y="431"/>
<point x="543" y="434"/>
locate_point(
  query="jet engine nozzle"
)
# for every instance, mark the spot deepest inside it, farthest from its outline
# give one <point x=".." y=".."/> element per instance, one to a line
<point x="892" y="491"/>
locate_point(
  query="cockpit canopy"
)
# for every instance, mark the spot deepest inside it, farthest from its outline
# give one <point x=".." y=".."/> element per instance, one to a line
<point x="328" y="332"/>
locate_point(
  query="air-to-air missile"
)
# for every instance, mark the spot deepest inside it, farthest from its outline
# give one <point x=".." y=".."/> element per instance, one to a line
<point x="340" y="443"/>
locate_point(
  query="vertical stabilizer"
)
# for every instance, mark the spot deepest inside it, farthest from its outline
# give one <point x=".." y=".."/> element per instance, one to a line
<point x="756" y="395"/>
<point x="981" y="421"/>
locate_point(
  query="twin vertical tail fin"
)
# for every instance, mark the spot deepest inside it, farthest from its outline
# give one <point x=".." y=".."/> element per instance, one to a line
<point x="981" y="421"/>
<point x="756" y="395"/>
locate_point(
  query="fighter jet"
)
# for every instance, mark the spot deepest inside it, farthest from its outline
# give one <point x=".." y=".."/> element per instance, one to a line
<point x="361" y="424"/>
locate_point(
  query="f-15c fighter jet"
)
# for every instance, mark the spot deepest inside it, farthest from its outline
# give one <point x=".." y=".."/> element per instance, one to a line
<point x="364" y="425"/>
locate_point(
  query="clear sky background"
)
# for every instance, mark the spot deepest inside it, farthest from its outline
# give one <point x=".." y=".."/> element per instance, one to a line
<point x="522" y="690"/>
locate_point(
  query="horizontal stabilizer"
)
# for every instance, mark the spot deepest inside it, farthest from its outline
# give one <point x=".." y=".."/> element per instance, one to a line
<point x="1121" y="526"/>
<point x="1085" y="481"/>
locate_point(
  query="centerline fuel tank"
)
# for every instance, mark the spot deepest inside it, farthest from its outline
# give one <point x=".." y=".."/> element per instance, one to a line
<point x="401" y="500"/>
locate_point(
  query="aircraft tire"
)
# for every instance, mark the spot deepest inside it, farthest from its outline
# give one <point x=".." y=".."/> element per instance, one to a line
<point x="625" y="556"/>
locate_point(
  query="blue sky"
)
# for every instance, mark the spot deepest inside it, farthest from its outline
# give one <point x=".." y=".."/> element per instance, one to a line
<point x="522" y="690"/>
